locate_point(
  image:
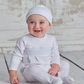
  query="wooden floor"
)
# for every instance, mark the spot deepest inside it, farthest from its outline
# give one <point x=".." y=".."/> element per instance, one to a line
<point x="76" y="60"/>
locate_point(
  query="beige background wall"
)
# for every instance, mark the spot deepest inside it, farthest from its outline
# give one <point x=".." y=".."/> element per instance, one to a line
<point x="68" y="22"/>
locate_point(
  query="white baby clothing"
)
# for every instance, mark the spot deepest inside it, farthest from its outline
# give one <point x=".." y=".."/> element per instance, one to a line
<point x="41" y="10"/>
<point x="32" y="50"/>
<point x="36" y="56"/>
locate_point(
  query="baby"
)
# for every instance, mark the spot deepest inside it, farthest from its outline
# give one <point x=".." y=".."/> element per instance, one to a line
<point x="38" y="52"/>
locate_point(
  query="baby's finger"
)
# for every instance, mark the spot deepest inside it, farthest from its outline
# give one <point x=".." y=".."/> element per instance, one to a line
<point x="53" y="74"/>
<point x="56" y="74"/>
<point x="50" y="72"/>
<point x="18" y="80"/>
<point x="13" y="82"/>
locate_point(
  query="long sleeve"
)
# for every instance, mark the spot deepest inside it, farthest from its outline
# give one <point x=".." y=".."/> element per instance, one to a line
<point x="55" y="58"/>
<point x="17" y="54"/>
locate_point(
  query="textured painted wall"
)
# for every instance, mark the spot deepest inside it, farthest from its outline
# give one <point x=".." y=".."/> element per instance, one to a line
<point x="68" y="22"/>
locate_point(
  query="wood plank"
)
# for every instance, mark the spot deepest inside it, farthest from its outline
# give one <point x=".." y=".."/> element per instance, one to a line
<point x="76" y="73"/>
<point x="77" y="57"/>
<point x="67" y="34"/>
<point x="11" y="35"/>
<point x="4" y="76"/>
<point x="71" y="48"/>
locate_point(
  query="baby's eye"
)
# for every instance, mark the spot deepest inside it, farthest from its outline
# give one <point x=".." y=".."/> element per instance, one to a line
<point x="41" y="22"/>
<point x="32" y="22"/>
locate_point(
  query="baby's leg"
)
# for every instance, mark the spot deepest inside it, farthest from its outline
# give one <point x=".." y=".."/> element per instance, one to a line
<point x="34" y="73"/>
<point x="64" y="71"/>
<point x="64" y="68"/>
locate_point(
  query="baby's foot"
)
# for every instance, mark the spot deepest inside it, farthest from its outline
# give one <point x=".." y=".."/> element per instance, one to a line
<point x="68" y="80"/>
<point x="57" y="80"/>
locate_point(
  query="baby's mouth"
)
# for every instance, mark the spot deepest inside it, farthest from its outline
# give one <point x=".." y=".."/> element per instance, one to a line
<point x="37" y="31"/>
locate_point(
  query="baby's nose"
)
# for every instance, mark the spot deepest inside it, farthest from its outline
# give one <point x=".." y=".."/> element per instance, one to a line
<point x="36" y="26"/>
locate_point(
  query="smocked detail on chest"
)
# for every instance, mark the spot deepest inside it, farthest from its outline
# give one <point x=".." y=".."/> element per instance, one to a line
<point x="37" y="51"/>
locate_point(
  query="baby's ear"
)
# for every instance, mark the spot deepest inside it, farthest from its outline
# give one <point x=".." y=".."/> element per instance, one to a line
<point x="49" y="26"/>
<point x="27" y="21"/>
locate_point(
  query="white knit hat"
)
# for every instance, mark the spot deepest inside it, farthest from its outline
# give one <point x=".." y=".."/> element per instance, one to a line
<point x="41" y="10"/>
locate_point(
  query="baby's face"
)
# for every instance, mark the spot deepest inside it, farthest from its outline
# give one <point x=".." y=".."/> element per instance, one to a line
<point x="38" y="25"/>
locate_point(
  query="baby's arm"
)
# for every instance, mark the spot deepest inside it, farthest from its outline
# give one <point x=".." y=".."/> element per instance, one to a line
<point x="54" y="69"/>
<point x="14" y="79"/>
<point x="15" y="61"/>
<point x="55" y="59"/>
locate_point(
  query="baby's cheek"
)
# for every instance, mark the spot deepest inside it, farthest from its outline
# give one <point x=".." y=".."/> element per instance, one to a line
<point x="44" y="29"/>
<point x="29" y="27"/>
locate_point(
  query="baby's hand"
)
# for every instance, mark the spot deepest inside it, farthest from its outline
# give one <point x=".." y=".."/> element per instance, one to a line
<point x="54" y="70"/>
<point x="14" y="79"/>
